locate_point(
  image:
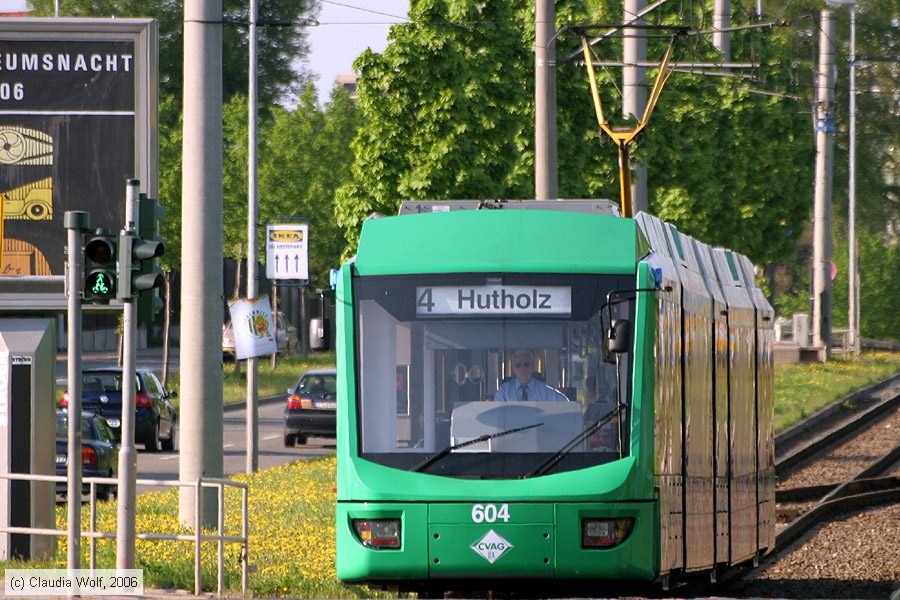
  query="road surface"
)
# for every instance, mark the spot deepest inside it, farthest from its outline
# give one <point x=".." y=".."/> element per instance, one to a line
<point x="272" y="452"/>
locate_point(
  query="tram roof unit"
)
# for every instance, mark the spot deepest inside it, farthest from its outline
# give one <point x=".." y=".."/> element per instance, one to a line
<point x="596" y="207"/>
<point x="569" y="236"/>
<point x="605" y="244"/>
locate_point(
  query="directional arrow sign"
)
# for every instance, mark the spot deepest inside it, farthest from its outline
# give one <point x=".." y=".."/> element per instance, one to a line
<point x="287" y="251"/>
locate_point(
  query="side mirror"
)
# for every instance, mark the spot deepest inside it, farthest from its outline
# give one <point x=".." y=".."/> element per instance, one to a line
<point x="318" y="334"/>
<point x="619" y="336"/>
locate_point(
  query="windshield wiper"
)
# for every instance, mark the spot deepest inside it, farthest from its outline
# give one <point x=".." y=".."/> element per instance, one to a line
<point x="481" y="438"/>
<point x="571" y="444"/>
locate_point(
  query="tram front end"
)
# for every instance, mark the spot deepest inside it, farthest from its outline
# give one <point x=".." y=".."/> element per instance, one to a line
<point x="492" y="425"/>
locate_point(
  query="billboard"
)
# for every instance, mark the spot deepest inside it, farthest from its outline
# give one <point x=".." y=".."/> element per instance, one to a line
<point x="78" y="116"/>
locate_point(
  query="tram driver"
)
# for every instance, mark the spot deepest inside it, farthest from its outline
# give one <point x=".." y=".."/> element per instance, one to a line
<point x="525" y="386"/>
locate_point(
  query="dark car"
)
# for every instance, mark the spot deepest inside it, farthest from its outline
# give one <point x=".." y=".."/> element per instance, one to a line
<point x="156" y="421"/>
<point x="311" y="407"/>
<point x="99" y="452"/>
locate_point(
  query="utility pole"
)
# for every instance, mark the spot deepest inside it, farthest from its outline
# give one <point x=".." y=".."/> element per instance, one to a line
<point x="202" y="293"/>
<point x="721" y="24"/>
<point x="546" y="185"/>
<point x="853" y="259"/>
<point x="252" y="429"/>
<point x="76" y="223"/>
<point x="634" y="92"/>
<point x="125" y="515"/>
<point x="822" y="244"/>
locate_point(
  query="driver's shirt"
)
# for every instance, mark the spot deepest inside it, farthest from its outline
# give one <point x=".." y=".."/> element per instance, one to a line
<point x="535" y="389"/>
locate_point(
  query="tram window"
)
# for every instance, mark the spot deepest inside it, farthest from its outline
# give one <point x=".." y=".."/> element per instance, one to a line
<point x="427" y="382"/>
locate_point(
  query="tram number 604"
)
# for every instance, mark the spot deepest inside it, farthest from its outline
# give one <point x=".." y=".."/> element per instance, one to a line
<point x="488" y="513"/>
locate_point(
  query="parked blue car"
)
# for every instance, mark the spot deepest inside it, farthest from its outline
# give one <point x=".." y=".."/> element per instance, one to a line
<point x="156" y="420"/>
<point x="99" y="452"/>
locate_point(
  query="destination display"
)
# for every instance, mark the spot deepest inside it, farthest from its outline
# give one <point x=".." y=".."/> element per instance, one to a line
<point x="511" y="300"/>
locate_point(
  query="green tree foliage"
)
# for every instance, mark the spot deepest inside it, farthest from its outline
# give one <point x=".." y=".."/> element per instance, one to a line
<point x="449" y="113"/>
<point x="280" y="48"/>
<point x="730" y="160"/>
<point x="878" y="105"/>
<point x="443" y="110"/>
<point x="307" y="158"/>
<point x="170" y="143"/>
<point x="303" y="154"/>
<point x="725" y="181"/>
<point x="235" y="155"/>
<point x="713" y="147"/>
<point x="877" y="157"/>
<point x="879" y="287"/>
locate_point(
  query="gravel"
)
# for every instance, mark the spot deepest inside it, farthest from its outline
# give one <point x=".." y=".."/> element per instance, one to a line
<point x="849" y="458"/>
<point x="855" y="557"/>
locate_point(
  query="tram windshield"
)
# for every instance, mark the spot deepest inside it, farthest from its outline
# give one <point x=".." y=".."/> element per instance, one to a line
<point x="492" y="376"/>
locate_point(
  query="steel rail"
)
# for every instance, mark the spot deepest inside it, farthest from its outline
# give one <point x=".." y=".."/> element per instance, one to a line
<point x="860" y="491"/>
<point x="819" y="492"/>
<point x="854" y="496"/>
<point x="825" y="417"/>
<point x="830" y="509"/>
<point x="840" y="433"/>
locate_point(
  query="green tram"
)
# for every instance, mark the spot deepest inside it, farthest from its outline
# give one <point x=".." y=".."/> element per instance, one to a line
<point x="652" y="455"/>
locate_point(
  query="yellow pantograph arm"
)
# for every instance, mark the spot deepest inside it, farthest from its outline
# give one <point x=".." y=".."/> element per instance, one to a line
<point x="595" y="93"/>
<point x="661" y="77"/>
<point x="622" y="136"/>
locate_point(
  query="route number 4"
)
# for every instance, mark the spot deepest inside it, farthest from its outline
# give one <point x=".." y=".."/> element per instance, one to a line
<point x="488" y="513"/>
<point x="426" y="301"/>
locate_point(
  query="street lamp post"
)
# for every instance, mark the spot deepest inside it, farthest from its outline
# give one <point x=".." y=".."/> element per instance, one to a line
<point x="252" y="430"/>
<point x="853" y="259"/>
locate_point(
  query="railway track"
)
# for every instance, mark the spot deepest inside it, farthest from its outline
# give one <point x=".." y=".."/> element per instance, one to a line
<point x="839" y="480"/>
<point x="834" y="424"/>
<point x="832" y="432"/>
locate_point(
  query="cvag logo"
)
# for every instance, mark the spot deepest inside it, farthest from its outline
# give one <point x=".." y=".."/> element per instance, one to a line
<point x="285" y="235"/>
<point x="491" y="547"/>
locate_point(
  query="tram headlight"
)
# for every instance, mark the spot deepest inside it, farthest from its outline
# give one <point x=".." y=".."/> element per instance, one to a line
<point x="604" y="533"/>
<point x="378" y="533"/>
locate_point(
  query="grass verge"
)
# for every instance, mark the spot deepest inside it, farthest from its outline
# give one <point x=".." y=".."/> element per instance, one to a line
<point x="802" y="389"/>
<point x="292" y="507"/>
<point x="271" y="381"/>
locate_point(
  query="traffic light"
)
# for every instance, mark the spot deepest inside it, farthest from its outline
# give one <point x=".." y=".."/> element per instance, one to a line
<point x="150" y="211"/>
<point x="137" y="265"/>
<point x="100" y="267"/>
<point x="133" y="252"/>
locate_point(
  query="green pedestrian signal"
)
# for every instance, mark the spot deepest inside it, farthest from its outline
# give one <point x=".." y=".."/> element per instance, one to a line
<point x="99" y="284"/>
<point x="100" y="267"/>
